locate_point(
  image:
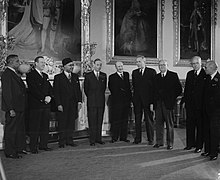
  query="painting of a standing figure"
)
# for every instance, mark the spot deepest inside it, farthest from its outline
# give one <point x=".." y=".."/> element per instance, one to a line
<point x="136" y="27"/>
<point x="45" y="27"/>
<point x="195" y="28"/>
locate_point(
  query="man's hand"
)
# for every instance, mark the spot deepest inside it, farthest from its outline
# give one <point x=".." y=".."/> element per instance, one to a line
<point x="12" y="113"/>
<point x="47" y="99"/>
<point x="60" y="108"/>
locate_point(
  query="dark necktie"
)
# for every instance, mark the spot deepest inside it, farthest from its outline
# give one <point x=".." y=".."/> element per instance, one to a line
<point x="97" y="75"/>
<point x="195" y="73"/>
<point x="121" y="75"/>
<point x="69" y="77"/>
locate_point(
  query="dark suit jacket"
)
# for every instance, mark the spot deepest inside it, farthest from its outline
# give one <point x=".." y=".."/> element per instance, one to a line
<point x="13" y="91"/>
<point x="120" y="89"/>
<point x="167" y="89"/>
<point x="212" y="95"/>
<point x="38" y="88"/>
<point x="194" y="90"/>
<point x="143" y="86"/>
<point x="95" y="89"/>
<point x="64" y="91"/>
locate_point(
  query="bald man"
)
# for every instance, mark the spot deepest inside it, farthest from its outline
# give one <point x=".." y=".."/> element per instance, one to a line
<point x="193" y="96"/>
<point x="119" y="86"/>
<point x="212" y="110"/>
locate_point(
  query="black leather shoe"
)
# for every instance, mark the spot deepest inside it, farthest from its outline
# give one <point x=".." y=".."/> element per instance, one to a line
<point x="136" y="142"/>
<point x="45" y="149"/>
<point x="125" y="140"/>
<point x="13" y="156"/>
<point x="197" y="151"/>
<point x="23" y="152"/>
<point x="169" y="147"/>
<point x="61" y="146"/>
<point x="100" y="142"/>
<point x="213" y="158"/>
<point x="205" y="154"/>
<point x="188" y="148"/>
<point x="157" y="145"/>
<point x="92" y="144"/>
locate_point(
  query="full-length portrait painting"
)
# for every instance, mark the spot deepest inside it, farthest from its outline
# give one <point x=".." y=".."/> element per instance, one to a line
<point x="45" y="27"/>
<point x="135" y="31"/>
<point x="195" y="28"/>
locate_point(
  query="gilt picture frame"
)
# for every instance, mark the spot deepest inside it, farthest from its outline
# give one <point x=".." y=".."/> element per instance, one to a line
<point x="61" y="30"/>
<point x="134" y="27"/>
<point x="194" y="24"/>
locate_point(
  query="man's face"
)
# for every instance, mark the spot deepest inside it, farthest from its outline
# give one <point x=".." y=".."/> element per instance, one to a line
<point x="69" y="67"/>
<point x="196" y="64"/>
<point x="209" y="69"/>
<point x="162" y="66"/>
<point x="40" y="64"/>
<point x="15" y="63"/>
<point x="119" y="67"/>
<point x="97" y="66"/>
<point x="140" y="62"/>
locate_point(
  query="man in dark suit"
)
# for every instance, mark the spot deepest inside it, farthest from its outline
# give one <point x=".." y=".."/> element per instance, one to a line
<point x="94" y="87"/>
<point x="212" y="110"/>
<point x="193" y="98"/>
<point x="142" y="81"/>
<point x="13" y="103"/>
<point x="119" y="86"/>
<point x="167" y="88"/>
<point x="39" y="98"/>
<point x="68" y="98"/>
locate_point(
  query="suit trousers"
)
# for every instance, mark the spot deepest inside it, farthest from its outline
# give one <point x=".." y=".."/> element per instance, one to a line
<point x="149" y="122"/>
<point x="66" y="123"/>
<point x="119" y="124"/>
<point x="39" y="127"/>
<point x="214" y="134"/>
<point x="95" y="119"/>
<point x="164" y="115"/>
<point x="14" y="133"/>
<point x="194" y="121"/>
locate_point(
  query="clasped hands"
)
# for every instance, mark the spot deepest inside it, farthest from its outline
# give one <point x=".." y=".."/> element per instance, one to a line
<point x="47" y="99"/>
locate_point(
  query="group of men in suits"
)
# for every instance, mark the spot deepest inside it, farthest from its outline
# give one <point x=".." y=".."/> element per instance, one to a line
<point x="38" y="96"/>
<point x="152" y="94"/>
<point x="201" y="99"/>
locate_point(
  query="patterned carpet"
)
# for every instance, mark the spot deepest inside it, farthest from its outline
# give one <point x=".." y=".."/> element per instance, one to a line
<point x="118" y="161"/>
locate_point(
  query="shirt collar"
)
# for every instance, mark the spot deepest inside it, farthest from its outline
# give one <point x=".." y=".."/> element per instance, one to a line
<point x="39" y="71"/>
<point x="12" y="69"/>
<point x="120" y="73"/>
<point x="198" y="71"/>
<point x="66" y="73"/>
<point x="165" y="73"/>
<point x="213" y="75"/>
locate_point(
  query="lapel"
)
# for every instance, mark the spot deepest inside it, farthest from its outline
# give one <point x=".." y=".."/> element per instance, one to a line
<point x="65" y="79"/>
<point x="17" y="78"/>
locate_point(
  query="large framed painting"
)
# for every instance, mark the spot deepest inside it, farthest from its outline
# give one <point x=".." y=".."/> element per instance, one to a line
<point x="51" y="28"/>
<point x="194" y="30"/>
<point x="134" y="27"/>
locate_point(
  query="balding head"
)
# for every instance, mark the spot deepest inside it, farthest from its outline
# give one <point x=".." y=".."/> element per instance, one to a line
<point x="162" y="64"/>
<point x="119" y="66"/>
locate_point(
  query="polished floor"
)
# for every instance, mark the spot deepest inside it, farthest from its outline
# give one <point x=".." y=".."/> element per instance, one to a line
<point x="114" y="161"/>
